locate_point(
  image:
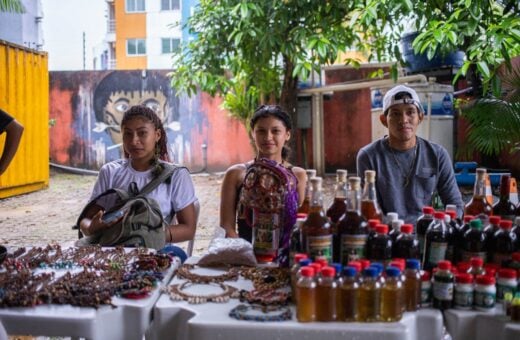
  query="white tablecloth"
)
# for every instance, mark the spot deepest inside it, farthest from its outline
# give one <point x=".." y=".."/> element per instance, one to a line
<point x="183" y="321"/>
<point x="129" y="320"/>
<point x="468" y="324"/>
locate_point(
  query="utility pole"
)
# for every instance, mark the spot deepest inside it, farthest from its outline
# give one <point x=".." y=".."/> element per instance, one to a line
<point x="84" y="48"/>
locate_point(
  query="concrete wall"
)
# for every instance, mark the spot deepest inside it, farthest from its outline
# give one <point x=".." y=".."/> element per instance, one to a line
<point x="84" y="135"/>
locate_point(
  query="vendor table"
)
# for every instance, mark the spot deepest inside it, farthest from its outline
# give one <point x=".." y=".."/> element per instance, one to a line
<point x="467" y="324"/>
<point x="181" y="320"/>
<point x="128" y="320"/>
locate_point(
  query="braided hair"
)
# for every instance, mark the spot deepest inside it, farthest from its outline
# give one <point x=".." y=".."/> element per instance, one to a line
<point x="275" y="111"/>
<point x="161" y="149"/>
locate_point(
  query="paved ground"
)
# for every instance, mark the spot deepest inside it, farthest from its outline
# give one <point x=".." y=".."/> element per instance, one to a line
<point x="47" y="215"/>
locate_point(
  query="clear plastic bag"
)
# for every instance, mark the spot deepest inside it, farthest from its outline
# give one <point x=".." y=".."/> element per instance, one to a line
<point x="228" y="251"/>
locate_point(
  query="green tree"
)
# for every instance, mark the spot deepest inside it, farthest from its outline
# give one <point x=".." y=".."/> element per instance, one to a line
<point x="15" y="6"/>
<point x="253" y="52"/>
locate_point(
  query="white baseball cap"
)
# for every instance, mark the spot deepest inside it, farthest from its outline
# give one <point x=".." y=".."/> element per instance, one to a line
<point x="389" y="98"/>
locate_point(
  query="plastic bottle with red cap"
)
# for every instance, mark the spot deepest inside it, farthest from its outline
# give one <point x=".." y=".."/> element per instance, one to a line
<point x="474" y="244"/>
<point x="326" y="295"/>
<point x="442" y="286"/>
<point x="463" y="291"/>
<point x="406" y="245"/>
<point x="503" y="244"/>
<point x="306" y="295"/>
<point x="485" y="293"/>
<point x="295" y="269"/>
<point x="476" y="266"/>
<point x="380" y="246"/>
<point x="426" y="289"/>
<point x="421" y="226"/>
<point x="436" y="242"/>
<point x="506" y="282"/>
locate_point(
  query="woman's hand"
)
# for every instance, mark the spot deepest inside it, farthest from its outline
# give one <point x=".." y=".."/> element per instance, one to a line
<point x="230" y="233"/>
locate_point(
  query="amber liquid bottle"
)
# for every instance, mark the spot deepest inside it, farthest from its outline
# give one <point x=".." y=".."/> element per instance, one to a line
<point x="326" y="295"/>
<point x="369" y="304"/>
<point x="338" y="208"/>
<point x="369" y="206"/>
<point x="304" y="208"/>
<point x="348" y="295"/>
<point x="306" y="295"/>
<point x="392" y="296"/>
<point x="316" y="230"/>
<point x="478" y="206"/>
<point x="339" y="204"/>
<point x="352" y="230"/>
<point x="504" y="207"/>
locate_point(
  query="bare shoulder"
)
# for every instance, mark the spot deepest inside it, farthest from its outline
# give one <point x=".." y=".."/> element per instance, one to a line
<point x="235" y="175"/>
<point x="299" y="173"/>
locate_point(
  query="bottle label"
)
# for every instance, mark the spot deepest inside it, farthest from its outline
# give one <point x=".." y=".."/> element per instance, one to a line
<point x="467" y="255"/>
<point x="320" y="246"/>
<point x="352" y="247"/>
<point x="485" y="300"/>
<point x="437" y="252"/>
<point x="426" y="295"/>
<point x="463" y="298"/>
<point x="266" y="232"/>
<point x="443" y="291"/>
<point x="502" y="289"/>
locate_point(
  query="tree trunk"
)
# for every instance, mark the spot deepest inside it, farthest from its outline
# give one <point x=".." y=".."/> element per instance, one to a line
<point x="289" y="100"/>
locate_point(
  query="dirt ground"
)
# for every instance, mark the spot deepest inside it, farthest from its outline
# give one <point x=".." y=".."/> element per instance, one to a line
<point x="46" y="216"/>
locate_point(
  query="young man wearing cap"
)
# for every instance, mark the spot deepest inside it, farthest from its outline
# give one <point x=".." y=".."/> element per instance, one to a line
<point x="13" y="130"/>
<point x="409" y="168"/>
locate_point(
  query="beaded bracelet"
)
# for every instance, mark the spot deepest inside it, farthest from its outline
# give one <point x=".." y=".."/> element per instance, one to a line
<point x="185" y="271"/>
<point x="265" y="297"/>
<point x="240" y="313"/>
<point x="176" y="293"/>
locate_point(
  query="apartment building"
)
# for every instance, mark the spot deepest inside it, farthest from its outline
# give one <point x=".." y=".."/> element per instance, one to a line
<point x="23" y="29"/>
<point x="142" y="34"/>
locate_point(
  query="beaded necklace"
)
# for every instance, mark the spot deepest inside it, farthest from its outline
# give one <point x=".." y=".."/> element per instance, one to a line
<point x="185" y="271"/>
<point x="176" y="292"/>
<point x="240" y="312"/>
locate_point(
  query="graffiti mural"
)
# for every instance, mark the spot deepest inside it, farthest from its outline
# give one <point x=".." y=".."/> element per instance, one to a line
<point x="86" y="109"/>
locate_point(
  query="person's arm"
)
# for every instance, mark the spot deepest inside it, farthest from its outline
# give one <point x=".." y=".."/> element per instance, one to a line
<point x="14" y="133"/>
<point x="228" y="198"/>
<point x="92" y="222"/>
<point x="186" y="225"/>
<point x="301" y="175"/>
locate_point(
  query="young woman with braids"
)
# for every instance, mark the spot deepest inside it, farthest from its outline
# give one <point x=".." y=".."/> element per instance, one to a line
<point x="270" y="129"/>
<point x="144" y="143"/>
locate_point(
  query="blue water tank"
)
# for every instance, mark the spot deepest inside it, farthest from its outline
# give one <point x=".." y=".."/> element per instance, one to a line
<point x="420" y="62"/>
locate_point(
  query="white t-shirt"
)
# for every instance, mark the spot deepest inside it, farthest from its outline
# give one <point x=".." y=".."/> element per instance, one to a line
<point x="172" y="197"/>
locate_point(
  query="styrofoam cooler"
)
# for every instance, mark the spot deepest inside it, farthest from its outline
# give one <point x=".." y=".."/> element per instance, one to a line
<point x="438" y="127"/>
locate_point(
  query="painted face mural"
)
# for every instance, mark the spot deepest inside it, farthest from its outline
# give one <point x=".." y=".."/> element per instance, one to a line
<point x="119" y="102"/>
<point x="120" y="90"/>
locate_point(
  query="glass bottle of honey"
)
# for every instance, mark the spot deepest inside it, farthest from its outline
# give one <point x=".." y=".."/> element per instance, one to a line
<point x="352" y="227"/>
<point x="339" y="204"/>
<point x="504" y="207"/>
<point x="316" y="229"/>
<point x="304" y="208"/>
<point x="478" y="206"/>
<point x="369" y="206"/>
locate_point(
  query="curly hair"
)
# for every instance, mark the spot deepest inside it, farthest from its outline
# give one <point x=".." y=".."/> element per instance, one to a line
<point x="142" y="111"/>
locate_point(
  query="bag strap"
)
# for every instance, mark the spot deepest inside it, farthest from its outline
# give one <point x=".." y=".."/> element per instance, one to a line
<point x="167" y="171"/>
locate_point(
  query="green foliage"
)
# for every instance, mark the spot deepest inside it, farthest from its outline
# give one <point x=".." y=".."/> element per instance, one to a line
<point x="487" y="31"/>
<point x="252" y="52"/>
<point x="494" y="123"/>
<point x="14" y="6"/>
